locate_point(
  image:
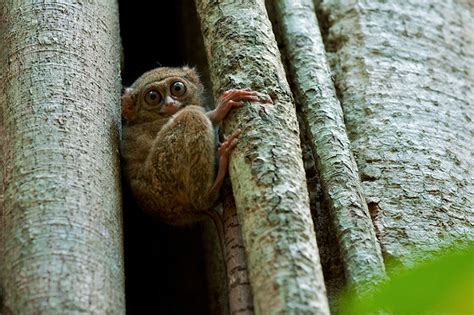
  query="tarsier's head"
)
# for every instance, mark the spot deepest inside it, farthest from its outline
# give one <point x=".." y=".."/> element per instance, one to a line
<point x="161" y="92"/>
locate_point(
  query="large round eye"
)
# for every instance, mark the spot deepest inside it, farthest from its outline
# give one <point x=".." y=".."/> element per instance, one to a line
<point x="178" y="88"/>
<point x="152" y="97"/>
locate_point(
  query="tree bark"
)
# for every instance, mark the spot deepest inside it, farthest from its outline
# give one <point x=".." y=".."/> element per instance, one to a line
<point x="405" y="75"/>
<point x="61" y="116"/>
<point x="323" y="116"/>
<point x="266" y="169"/>
<point x="2" y="149"/>
<point x="240" y="291"/>
<point x="328" y="247"/>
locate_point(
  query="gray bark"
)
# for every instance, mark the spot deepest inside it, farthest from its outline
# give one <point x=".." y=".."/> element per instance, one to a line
<point x="323" y="116"/>
<point x="328" y="246"/>
<point x="266" y="169"/>
<point x="61" y="118"/>
<point x="405" y="74"/>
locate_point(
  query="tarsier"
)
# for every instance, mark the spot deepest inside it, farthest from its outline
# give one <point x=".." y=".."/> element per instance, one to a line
<point x="169" y="144"/>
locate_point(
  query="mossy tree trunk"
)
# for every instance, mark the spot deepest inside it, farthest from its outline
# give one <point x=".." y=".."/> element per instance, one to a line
<point x="405" y="72"/>
<point x="266" y="169"/>
<point x="61" y="119"/>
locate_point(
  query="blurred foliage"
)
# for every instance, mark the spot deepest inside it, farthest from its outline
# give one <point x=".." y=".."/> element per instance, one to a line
<point x="444" y="285"/>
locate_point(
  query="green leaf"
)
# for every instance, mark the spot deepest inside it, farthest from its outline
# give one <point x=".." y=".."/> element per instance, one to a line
<point x="441" y="286"/>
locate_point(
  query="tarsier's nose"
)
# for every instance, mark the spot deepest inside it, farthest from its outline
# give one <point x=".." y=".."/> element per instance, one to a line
<point x="169" y="105"/>
<point x="168" y="101"/>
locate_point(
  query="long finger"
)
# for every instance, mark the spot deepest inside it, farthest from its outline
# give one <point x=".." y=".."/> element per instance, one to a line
<point x="236" y="103"/>
<point x="230" y="147"/>
<point x="233" y="135"/>
<point x="236" y="94"/>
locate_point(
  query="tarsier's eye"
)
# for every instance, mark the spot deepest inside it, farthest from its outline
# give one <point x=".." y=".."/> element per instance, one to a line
<point x="152" y="97"/>
<point x="178" y="88"/>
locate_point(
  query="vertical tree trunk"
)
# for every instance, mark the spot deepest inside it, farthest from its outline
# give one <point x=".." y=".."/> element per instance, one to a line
<point x="323" y="115"/>
<point x="405" y="73"/>
<point x="62" y="207"/>
<point x="266" y="168"/>
<point x="328" y="246"/>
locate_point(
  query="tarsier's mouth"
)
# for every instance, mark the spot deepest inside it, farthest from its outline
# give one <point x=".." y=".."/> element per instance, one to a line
<point x="169" y="109"/>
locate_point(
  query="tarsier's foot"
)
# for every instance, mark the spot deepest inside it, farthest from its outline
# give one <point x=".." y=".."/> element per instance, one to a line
<point x="236" y="98"/>
<point x="227" y="147"/>
<point x="225" y="150"/>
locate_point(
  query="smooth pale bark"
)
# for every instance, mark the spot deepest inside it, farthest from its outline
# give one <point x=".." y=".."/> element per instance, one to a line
<point x="336" y="166"/>
<point x="266" y="169"/>
<point x="62" y="198"/>
<point x="405" y="74"/>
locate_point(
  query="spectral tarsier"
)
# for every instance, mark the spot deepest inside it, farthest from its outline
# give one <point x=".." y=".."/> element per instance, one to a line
<point x="169" y="144"/>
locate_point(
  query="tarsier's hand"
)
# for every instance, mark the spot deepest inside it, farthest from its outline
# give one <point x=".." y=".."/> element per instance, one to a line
<point x="235" y="98"/>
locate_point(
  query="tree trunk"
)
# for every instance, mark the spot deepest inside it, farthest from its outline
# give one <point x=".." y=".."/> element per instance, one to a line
<point x="405" y="75"/>
<point x="266" y="169"/>
<point x="323" y="116"/>
<point x="61" y="117"/>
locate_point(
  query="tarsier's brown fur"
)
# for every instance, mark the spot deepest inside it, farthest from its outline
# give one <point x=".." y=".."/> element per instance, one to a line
<point x="169" y="146"/>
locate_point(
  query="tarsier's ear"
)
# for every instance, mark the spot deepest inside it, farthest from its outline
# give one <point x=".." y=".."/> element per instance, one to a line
<point x="128" y="105"/>
<point x="191" y="74"/>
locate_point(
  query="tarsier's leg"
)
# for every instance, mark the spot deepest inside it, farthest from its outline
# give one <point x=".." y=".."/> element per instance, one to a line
<point x="182" y="161"/>
<point x="225" y="150"/>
